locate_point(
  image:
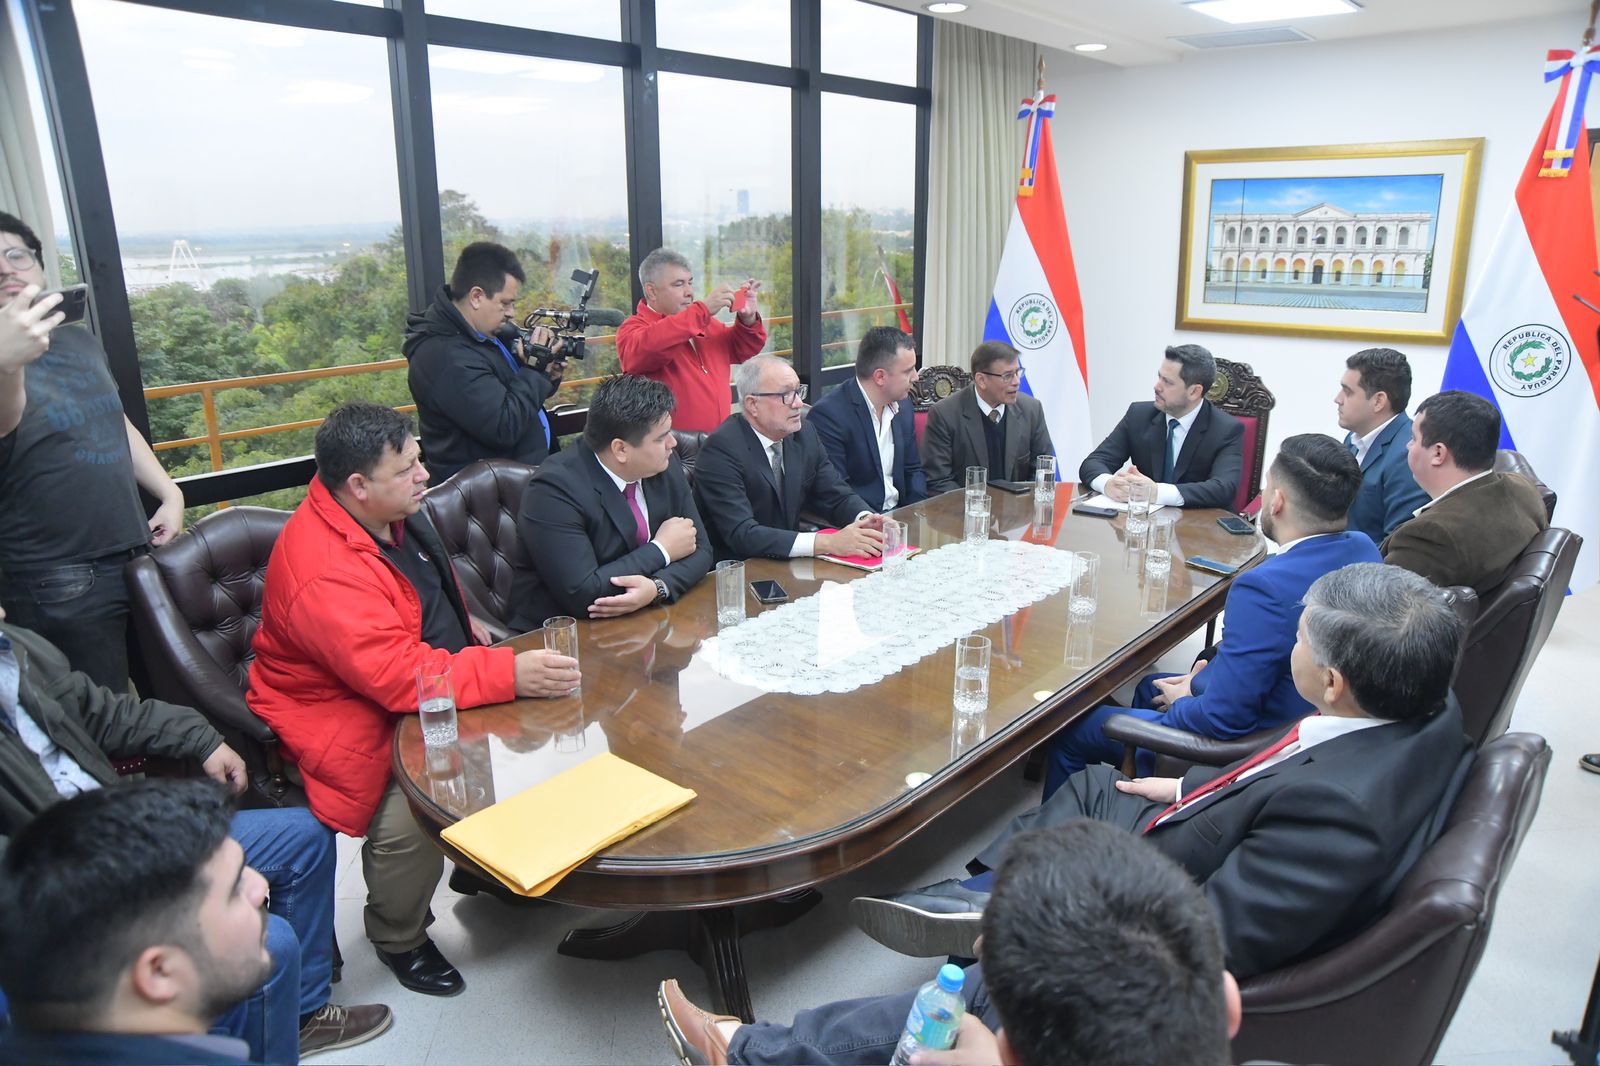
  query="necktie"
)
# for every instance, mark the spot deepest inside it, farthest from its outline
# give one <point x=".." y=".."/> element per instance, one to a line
<point x="777" y="464"/>
<point x="1172" y="458"/>
<point x="641" y="531"/>
<point x="1217" y="784"/>
<point x="994" y="415"/>
<point x="1355" y="449"/>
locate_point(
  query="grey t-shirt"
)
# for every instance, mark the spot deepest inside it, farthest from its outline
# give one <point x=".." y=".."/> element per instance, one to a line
<point x="66" y="475"/>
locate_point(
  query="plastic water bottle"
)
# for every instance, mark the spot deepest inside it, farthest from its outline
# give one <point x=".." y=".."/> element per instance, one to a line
<point x="935" y="1016"/>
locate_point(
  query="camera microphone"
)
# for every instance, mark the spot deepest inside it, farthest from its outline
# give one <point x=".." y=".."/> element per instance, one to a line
<point x="609" y="317"/>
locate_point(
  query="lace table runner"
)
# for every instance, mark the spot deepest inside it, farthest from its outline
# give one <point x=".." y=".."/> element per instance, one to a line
<point x="847" y="635"/>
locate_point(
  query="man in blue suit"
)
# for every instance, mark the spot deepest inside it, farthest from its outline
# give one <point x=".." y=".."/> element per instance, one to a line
<point x="1248" y="686"/>
<point x="1372" y="402"/>
<point x="869" y="431"/>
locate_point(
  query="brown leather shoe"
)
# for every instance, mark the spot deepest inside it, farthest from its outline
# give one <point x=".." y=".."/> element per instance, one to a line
<point x="696" y="1040"/>
<point x="335" y="1026"/>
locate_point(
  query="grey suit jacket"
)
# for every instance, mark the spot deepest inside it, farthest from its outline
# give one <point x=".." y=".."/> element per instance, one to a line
<point x="954" y="440"/>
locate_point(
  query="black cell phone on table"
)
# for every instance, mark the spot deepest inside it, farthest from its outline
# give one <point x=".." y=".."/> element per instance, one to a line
<point x="768" y="592"/>
<point x="1236" y="525"/>
<point x="1211" y="566"/>
<point x="1098" y="512"/>
<point x="74" y="302"/>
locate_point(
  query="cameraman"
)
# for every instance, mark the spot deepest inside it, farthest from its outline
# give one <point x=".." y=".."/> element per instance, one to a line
<point x="478" y="398"/>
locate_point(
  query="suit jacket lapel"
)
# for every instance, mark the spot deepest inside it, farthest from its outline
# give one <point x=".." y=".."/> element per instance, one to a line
<point x="760" y="459"/>
<point x="1382" y="442"/>
<point x="1297" y="759"/>
<point x="1154" y="461"/>
<point x="793" y="476"/>
<point x="972" y="423"/>
<point x="1191" y="441"/>
<point x="611" y="501"/>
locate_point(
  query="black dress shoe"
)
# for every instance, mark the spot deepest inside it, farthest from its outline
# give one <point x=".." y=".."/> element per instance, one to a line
<point x="940" y="919"/>
<point x="423" y="969"/>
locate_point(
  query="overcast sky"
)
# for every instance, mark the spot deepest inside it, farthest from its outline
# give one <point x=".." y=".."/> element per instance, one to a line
<point x="218" y="124"/>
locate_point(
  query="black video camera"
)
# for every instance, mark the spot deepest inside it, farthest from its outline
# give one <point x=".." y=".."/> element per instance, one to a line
<point x="568" y="325"/>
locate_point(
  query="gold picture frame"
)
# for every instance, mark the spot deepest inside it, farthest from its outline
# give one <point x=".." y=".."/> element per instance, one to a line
<point x="1334" y="241"/>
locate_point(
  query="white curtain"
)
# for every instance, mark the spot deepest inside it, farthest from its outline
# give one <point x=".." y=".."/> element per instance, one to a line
<point x="22" y="177"/>
<point x="975" y="150"/>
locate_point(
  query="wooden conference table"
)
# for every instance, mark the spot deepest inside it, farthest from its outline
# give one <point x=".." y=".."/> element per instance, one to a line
<point x="795" y="790"/>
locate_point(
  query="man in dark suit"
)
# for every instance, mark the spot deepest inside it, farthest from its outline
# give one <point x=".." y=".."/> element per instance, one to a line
<point x="1372" y="400"/>
<point x="1247" y="685"/>
<point x="991" y="423"/>
<point x="1477" y="522"/>
<point x="1297" y="848"/>
<point x="763" y="467"/>
<point x="610" y="526"/>
<point x="1192" y="452"/>
<point x="869" y="430"/>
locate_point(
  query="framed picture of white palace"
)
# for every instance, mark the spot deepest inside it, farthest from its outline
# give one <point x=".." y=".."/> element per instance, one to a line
<point x="1359" y="241"/>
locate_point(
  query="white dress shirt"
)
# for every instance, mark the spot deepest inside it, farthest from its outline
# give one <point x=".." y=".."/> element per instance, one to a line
<point x="1364" y="444"/>
<point x="1166" y="495"/>
<point x="883" y="423"/>
<point x="805" y="544"/>
<point x="65" y="773"/>
<point x="644" y="508"/>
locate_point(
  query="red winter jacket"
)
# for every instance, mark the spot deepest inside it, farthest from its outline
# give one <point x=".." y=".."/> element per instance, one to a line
<point x="690" y="353"/>
<point x="336" y="654"/>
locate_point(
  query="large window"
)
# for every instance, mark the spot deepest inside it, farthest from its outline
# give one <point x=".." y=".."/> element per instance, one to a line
<point x="252" y="175"/>
<point x="725" y="189"/>
<point x="287" y="183"/>
<point x="868" y="220"/>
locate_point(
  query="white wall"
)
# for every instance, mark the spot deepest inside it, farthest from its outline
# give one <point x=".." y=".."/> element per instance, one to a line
<point x="1120" y="135"/>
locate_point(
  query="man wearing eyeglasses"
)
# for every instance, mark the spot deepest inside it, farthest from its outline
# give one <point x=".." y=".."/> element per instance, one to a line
<point x="991" y="423"/>
<point x="71" y="468"/>
<point x="763" y="468"/>
<point x="1180" y="442"/>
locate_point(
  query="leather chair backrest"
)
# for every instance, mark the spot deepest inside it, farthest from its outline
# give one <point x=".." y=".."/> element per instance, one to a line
<point x="475" y="513"/>
<point x="689" y="443"/>
<point x="1512" y="623"/>
<point x="1239" y="391"/>
<point x="1388" y="994"/>
<point x="1508" y="461"/>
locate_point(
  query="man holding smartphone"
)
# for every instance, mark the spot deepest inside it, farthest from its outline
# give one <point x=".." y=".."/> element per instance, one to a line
<point x="71" y="468"/>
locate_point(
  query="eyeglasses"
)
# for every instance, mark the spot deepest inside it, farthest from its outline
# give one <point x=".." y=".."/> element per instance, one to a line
<point x="787" y="397"/>
<point x="21" y="259"/>
<point x="1008" y="377"/>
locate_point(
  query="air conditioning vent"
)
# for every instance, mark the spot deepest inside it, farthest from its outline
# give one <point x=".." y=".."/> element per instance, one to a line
<point x="1244" y="38"/>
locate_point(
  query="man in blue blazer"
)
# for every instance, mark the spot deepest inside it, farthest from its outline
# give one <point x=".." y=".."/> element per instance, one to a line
<point x="869" y="430"/>
<point x="1372" y="402"/>
<point x="1248" y="686"/>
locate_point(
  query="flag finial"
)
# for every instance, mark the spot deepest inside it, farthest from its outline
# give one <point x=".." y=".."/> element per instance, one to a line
<point x="1588" y="34"/>
<point x="1039" y="81"/>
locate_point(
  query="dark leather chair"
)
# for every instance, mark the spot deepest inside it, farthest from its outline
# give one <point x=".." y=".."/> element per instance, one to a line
<point x="1508" y="461"/>
<point x="690" y="441"/>
<point x="475" y="513"/>
<point x="1388" y="994"/>
<point x="1238" y="390"/>
<point x="933" y="384"/>
<point x="196" y="603"/>
<point x="1511" y="625"/>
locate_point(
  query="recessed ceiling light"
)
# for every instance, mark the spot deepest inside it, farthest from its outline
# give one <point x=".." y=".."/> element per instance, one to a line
<point x="1238" y="11"/>
<point x="945" y="7"/>
<point x="1091" y="47"/>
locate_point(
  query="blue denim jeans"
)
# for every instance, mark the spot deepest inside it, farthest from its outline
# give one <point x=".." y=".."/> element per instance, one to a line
<point x="269" y="1021"/>
<point x="297" y="856"/>
<point x="81" y="608"/>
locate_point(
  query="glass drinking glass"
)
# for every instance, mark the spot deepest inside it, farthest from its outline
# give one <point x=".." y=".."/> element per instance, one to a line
<point x="975" y="530"/>
<point x="436" y="705"/>
<point x="1085" y="595"/>
<point x="730" y="593"/>
<point x="977" y="481"/>
<point x="894" y="545"/>
<point x="1141" y="494"/>
<point x="1044" y="477"/>
<point x="1158" y="556"/>
<point x="972" y="675"/>
<point x="561" y="637"/>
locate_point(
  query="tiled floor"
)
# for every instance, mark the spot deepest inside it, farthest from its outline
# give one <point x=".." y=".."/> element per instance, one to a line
<point x="526" y="1004"/>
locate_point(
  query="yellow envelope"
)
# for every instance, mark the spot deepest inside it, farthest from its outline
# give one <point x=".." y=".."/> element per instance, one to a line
<point x="535" y="838"/>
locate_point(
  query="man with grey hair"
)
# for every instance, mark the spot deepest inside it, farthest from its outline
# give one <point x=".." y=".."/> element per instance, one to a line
<point x="1189" y="450"/>
<point x="673" y="337"/>
<point x="1300" y="846"/>
<point x="764" y="467"/>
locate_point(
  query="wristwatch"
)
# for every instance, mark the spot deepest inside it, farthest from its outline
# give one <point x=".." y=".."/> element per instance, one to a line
<point x="662" y="592"/>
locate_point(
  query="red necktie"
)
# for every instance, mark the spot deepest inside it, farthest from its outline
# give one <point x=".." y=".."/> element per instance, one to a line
<point x="1217" y="784"/>
<point x="641" y="530"/>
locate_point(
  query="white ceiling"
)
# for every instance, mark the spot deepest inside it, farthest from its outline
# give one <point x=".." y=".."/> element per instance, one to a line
<point x="1141" y="31"/>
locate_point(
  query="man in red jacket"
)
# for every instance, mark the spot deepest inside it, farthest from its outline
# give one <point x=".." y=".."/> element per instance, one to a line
<point x="674" y="339"/>
<point x="359" y="594"/>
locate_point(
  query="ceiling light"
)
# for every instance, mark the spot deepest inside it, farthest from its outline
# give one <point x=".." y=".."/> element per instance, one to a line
<point x="1237" y="11"/>
<point x="1091" y="47"/>
<point x="946" y="7"/>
